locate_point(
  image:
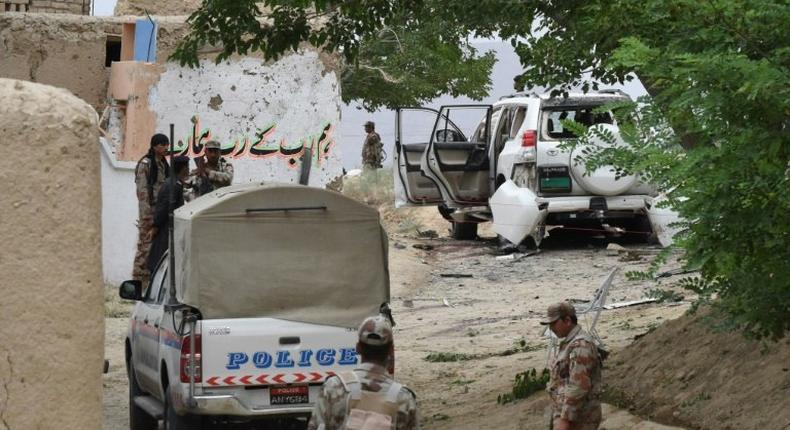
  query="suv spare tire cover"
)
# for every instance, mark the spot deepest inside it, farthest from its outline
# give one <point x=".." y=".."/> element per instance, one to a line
<point x="601" y="181"/>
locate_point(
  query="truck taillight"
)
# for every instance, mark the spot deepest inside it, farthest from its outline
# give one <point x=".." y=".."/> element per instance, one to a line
<point x="185" y="355"/>
<point x="529" y="139"/>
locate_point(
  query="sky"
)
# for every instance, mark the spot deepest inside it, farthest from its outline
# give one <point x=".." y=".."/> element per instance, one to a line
<point x="103" y="7"/>
<point x="352" y="118"/>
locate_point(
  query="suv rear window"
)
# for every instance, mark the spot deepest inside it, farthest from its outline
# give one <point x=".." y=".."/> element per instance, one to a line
<point x="551" y="121"/>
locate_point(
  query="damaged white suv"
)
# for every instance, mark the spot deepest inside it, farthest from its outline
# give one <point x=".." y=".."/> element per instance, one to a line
<point x="509" y="168"/>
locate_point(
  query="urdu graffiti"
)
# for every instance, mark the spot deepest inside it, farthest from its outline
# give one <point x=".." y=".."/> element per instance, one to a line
<point x="261" y="146"/>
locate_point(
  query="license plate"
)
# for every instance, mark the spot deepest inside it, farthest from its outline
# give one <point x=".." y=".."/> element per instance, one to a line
<point x="555" y="179"/>
<point x="289" y="395"/>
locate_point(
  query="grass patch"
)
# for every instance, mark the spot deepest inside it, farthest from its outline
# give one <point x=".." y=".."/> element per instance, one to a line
<point x="664" y="296"/>
<point x="448" y="357"/>
<point x="525" y="384"/>
<point x="373" y="187"/>
<point x="114" y="306"/>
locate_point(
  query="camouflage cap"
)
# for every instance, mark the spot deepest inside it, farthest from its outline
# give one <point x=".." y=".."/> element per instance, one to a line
<point x="558" y="311"/>
<point x="376" y="331"/>
<point x="213" y="144"/>
<point x="370" y="123"/>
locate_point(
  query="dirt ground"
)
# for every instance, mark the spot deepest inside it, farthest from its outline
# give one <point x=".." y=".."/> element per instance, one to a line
<point x="716" y="379"/>
<point x="457" y="297"/>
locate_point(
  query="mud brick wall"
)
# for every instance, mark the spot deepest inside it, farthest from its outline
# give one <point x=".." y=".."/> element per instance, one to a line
<point x="52" y="301"/>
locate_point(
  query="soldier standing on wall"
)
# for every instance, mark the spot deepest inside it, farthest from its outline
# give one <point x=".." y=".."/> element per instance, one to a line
<point x="575" y="384"/>
<point x="372" y="149"/>
<point x="213" y="171"/>
<point x="367" y="397"/>
<point x="150" y="173"/>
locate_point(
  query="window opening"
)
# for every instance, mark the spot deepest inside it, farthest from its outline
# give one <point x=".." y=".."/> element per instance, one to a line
<point x="112" y="50"/>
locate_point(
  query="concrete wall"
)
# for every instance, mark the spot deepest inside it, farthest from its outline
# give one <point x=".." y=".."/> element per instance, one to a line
<point x="51" y="307"/>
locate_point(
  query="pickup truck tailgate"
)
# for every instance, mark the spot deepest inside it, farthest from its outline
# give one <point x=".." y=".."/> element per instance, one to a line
<point x="258" y="352"/>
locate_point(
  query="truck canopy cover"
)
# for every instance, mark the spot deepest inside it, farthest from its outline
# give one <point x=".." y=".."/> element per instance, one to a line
<point x="281" y="251"/>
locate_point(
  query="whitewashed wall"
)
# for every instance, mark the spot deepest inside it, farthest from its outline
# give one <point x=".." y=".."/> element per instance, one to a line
<point x="237" y="100"/>
<point x="295" y="94"/>
<point x="119" y="217"/>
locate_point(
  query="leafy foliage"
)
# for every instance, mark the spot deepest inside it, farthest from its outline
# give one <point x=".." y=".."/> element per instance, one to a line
<point x="525" y="384"/>
<point x="712" y="136"/>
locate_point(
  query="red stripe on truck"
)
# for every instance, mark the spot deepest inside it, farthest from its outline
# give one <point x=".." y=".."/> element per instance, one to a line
<point x="266" y="379"/>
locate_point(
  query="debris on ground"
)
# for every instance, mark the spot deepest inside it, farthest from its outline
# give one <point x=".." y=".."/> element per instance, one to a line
<point x="629" y="303"/>
<point x="614" y="249"/>
<point x="423" y="246"/>
<point x="456" y="275"/>
<point x="427" y="234"/>
<point x="517" y="256"/>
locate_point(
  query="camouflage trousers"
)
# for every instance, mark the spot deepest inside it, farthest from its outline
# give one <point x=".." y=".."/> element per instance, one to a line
<point x="140" y="267"/>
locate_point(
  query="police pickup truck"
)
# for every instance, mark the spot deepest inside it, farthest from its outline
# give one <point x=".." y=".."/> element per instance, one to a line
<point x="269" y="284"/>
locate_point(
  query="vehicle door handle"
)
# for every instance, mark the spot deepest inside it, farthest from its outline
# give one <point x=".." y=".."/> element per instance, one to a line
<point x="290" y="340"/>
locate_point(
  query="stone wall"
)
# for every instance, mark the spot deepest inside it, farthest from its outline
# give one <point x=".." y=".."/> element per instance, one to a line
<point x="156" y="7"/>
<point x="77" y="7"/>
<point x="51" y="309"/>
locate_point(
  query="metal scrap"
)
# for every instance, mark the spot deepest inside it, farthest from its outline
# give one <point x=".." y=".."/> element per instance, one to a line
<point x="456" y="275"/>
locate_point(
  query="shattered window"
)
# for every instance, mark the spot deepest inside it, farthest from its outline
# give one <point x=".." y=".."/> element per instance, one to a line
<point x="553" y="128"/>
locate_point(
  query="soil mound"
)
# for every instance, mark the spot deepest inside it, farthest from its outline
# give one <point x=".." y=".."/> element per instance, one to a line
<point x="692" y="372"/>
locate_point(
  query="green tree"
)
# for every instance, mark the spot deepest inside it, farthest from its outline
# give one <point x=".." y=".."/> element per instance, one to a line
<point x="713" y="134"/>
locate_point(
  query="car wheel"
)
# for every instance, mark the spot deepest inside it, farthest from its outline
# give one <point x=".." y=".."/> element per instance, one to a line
<point x="464" y="230"/>
<point x="174" y="421"/>
<point x="138" y="418"/>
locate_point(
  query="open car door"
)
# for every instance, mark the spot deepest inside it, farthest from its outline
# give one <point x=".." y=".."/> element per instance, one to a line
<point x="412" y="187"/>
<point x="459" y="164"/>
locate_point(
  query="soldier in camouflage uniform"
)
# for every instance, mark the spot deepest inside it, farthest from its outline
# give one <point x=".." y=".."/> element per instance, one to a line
<point x="375" y="348"/>
<point x="213" y="171"/>
<point x="575" y="384"/>
<point x="150" y="173"/>
<point x="372" y="149"/>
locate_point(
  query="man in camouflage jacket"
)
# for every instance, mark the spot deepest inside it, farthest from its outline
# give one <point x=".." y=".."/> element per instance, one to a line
<point x="372" y="149"/>
<point x="375" y="348"/>
<point x="150" y="173"/>
<point x="213" y="171"/>
<point x="575" y="384"/>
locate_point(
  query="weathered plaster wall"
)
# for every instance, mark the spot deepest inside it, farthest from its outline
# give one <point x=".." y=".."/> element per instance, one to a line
<point x="264" y="114"/>
<point x="51" y="307"/>
<point x="62" y="51"/>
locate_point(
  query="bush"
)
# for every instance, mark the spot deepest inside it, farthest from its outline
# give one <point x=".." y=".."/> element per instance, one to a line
<point x="526" y="384"/>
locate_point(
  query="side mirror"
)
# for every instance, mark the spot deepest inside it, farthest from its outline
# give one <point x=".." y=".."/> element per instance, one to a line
<point x="131" y="290"/>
